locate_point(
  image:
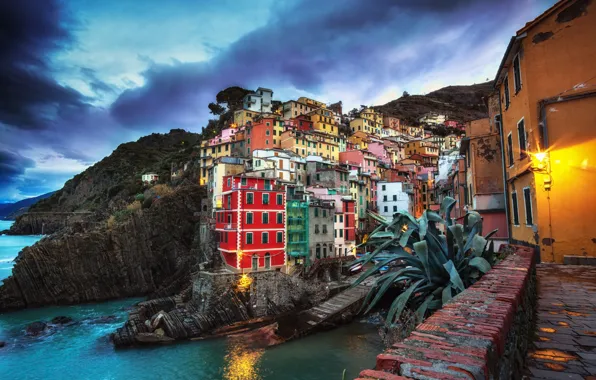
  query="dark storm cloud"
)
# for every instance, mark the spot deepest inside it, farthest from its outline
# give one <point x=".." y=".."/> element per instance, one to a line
<point x="12" y="165"/>
<point x="30" y="30"/>
<point x="307" y="45"/>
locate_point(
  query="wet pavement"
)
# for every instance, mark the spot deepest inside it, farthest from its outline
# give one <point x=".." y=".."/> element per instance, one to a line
<point x="564" y="346"/>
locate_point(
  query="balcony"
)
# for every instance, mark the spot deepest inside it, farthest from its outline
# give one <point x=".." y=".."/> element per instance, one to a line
<point x="230" y="226"/>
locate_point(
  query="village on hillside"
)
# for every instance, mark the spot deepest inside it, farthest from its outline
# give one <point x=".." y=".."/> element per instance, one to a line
<point x="293" y="182"/>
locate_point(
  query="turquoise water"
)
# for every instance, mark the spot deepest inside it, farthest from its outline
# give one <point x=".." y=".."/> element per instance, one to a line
<point x="82" y="351"/>
<point x="10" y="247"/>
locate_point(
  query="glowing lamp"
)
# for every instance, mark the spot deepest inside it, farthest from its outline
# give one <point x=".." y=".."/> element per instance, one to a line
<point x="540" y="156"/>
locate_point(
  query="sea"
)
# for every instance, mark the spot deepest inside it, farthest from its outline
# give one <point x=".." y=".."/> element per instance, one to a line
<point x="83" y="351"/>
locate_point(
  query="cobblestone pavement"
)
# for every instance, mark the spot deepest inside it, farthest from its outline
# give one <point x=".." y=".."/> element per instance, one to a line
<point x="564" y="346"/>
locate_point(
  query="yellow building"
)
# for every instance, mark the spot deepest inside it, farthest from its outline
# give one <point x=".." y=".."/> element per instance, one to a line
<point x="421" y="147"/>
<point x="311" y="102"/>
<point x="293" y="108"/>
<point x="242" y="117"/>
<point x="359" y="140"/>
<point x="323" y="121"/>
<point x="412" y="131"/>
<point x="546" y="87"/>
<point x="301" y="143"/>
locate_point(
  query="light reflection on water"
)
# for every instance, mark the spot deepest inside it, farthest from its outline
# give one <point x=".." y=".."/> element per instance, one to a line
<point x="241" y="361"/>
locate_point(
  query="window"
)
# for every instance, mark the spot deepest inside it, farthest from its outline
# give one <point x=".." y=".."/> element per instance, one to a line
<point x="316" y="228"/>
<point x="243" y="181"/>
<point x="265" y="237"/>
<point x="324" y="213"/>
<point x="280" y="218"/>
<point x="267" y="132"/>
<point x="280" y="199"/>
<point x="316" y="212"/>
<point x="318" y="251"/>
<point x="517" y="74"/>
<point x="521" y="135"/>
<point x="394" y="208"/>
<point x="265" y="198"/>
<point x="514" y="206"/>
<point x="394" y="197"/>
<point x="229" y="182"/>
<point x="506" y="91"/>
<point x="384" y="198"/>
<point x="280" y="237"/>
<point x="528" y="206"/>
<point x="249" y="218"/>
<point x="510" y="148"/>
<point x="341" y="218"/>
<point x="386" y="209"/>
<point x="249" y="198"/>
<point x="265" y="218"/>
<point x="249" y="238"/>
<point x="324" y="228"/>
<point x="341" y="233"/>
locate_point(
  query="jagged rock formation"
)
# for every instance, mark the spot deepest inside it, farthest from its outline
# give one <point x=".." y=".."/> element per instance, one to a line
<point x="143" y="254"/>
<point x="215" y="301"/>
<point x="10" y="211"/>
<point x="461" y="103"/>
<point x="45" y="223"/>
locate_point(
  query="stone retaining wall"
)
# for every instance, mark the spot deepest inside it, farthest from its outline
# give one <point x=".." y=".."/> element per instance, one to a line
<point x="483" y="333"/>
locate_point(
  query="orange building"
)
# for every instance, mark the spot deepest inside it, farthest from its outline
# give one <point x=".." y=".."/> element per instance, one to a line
<point x="264" y="134"/>
<point x="546" y="83"/>
<point x="483" y="191"/>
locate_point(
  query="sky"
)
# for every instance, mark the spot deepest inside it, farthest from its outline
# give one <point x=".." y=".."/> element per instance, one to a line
<point x="80" y="77"/>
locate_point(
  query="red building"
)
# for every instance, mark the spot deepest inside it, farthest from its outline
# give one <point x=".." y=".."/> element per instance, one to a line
<point x="349" y="211"/>
<point x="251" y="224"/>
<point x="300" y="122"/>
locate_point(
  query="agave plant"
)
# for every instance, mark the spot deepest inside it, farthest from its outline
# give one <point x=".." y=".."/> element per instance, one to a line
<point x="433" y="266"/>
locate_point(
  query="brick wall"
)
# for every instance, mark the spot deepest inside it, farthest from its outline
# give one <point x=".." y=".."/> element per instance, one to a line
<point x="482" y="333"/>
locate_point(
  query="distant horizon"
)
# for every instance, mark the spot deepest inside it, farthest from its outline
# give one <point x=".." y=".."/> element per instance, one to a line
<point x="82" y="78"/>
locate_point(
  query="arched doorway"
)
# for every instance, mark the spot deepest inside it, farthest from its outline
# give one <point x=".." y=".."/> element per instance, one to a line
<point x="318" y="251"/>
<point x="267" y="261"/>
<point x="255" y="263"/>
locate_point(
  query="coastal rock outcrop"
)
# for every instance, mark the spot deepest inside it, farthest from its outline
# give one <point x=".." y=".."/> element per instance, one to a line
<point x="133" y="258"/>
<point x="36" y="328"/>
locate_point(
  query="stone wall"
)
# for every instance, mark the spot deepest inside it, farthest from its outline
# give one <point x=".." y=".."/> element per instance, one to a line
<point x="483" y="333"/>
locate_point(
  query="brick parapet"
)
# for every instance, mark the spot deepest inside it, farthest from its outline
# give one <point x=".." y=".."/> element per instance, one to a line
<point x="481" y="334"/>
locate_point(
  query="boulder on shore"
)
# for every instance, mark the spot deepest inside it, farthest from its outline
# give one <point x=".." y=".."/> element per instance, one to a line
<point x="36" y="328"/>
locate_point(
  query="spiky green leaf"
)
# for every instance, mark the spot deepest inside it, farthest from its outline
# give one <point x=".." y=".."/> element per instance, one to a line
<point x="398" y="305"/>
<point x="480" y="263"/>
<point x="447" y="294"/>
<point x="454" y="278"/>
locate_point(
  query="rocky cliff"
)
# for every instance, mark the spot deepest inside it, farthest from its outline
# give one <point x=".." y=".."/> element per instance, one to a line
<point x="461" y="103"/>
<point x="143" y="254"/>
<point x="111" y="184"/>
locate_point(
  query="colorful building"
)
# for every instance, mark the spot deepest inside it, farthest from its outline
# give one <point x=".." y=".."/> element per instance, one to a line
<point x="265" y="133"/>
<point x="251" y="224"/>
<point x="546" y="89"/>
<point x="323" y="121"/>
<point x="293" y="109"/>
<point x="297" y="247"/>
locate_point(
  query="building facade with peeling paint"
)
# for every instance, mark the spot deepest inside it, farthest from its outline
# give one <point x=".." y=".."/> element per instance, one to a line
<point x="547" y="92"/>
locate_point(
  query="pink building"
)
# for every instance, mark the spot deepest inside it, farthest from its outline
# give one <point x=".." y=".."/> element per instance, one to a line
<point x="224" y="136"/>
<point x="365" y="160"/>
<point x="377" y="148"/>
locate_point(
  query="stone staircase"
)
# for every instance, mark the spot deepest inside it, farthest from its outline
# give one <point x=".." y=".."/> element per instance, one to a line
<point x="336" y="305"/>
